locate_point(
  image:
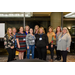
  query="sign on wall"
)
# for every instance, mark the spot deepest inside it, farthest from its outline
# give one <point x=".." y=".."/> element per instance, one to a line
<point x="2" y="30"/>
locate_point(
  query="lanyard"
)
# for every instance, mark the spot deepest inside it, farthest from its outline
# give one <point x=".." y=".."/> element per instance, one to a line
<point x="15" y="36"/>
<point x="33" y="37"/>
<point x="26" y="33"/>
<point x="41" y="35"/>
<point x="63" y="35"/>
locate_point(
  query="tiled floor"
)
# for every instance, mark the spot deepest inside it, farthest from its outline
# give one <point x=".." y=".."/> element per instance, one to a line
<point x="70" y="58"/>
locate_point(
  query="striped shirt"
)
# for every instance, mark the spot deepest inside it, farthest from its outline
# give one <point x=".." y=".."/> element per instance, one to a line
<point x="22" y="42"/>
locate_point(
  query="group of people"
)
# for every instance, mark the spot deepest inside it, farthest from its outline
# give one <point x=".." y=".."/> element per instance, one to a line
<point x="38" y="42"/>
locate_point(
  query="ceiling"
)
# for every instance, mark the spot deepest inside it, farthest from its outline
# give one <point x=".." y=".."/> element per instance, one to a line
<point x="46" y="13"/>
<point x="41" y="14"/>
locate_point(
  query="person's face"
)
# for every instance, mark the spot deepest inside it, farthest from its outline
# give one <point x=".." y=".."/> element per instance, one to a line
<point x="36" y="27"/>
<point x="21" y="29"/>
<point x="50" y="30"/>
<point x="27" y="28"/>
<point x="58" y="29"/>
<point x="64" y="31"/>
<point x="10" y="31"/>
<point x="41" y="31"/>
<point x="14" y="30"/>
<point x="31" y="31"/>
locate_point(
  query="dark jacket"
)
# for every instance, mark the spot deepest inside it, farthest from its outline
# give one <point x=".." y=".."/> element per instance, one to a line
<point x="43" y="42"/>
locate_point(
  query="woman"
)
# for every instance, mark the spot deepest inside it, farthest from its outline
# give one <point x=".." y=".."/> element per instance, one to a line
<point x="51" y="35"/>
<point x="58" y="32"/>
<point x="9" y="44"/>
<point x="36" y="29"/>
<point x="63" y="43"/>
<point x="14" y="33"/>
<point x="41" y="43"/>
<point x="26" y="32"/>
<point x="21" y="42"/>
<point x="30" y="42"/>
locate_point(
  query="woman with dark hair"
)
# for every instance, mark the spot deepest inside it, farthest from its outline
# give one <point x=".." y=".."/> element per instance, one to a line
<point x="58" y="32"/>
<point x="21" y="42"/>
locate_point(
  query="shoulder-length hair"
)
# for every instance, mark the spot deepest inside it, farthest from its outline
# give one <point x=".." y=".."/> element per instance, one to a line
<point x="51" y="28"/>
<point x="56" y="29"/>
<point x="42" y="29"/>
<point x="66" y="32"/>
<point x="34" y="28"/>
<point x="8" y="33"/>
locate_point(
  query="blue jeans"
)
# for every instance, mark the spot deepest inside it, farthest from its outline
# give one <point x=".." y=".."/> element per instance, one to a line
<point x="31" y="47"/>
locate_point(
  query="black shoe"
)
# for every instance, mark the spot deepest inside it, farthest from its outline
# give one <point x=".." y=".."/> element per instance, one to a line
<point x="59" y="59"/>
<point x="56" y="58"/>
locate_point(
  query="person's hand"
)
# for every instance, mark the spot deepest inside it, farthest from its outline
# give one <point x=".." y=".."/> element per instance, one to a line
<point x="46" y="47"/>
<point x="35" y="46"/>
<point x="18" y="46"/>
<point x="27" y="47"/>
<point x="51" y="46"/>
<point x="67" y="48"/>
<point x="12" y="47"/>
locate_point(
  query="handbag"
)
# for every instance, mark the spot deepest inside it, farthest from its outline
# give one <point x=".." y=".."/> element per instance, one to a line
<point x="53" y="40"/>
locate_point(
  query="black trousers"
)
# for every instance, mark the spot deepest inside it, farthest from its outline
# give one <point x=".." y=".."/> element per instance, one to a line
<point x="42" y="52"/>
<point x="11" y="54"/>
<point x="58" y="53"/>
<point x="35" y="53"/>
<point x="24" y="54"/>
<point x="51" y="50"/>
<point x="64" y="55"/>
<point x="14" y="52"/>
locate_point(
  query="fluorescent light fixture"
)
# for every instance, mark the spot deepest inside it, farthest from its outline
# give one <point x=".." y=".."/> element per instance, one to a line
<point x="70" y="15"/>
<point x="13" y="14"/>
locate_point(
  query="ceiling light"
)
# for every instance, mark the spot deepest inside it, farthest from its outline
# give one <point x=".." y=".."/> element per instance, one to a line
<point x="5" y="14"/>
<point x="70" y="15"/>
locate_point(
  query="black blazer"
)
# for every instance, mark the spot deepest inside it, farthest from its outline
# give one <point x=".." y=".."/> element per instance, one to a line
<point x="43" y="42"/>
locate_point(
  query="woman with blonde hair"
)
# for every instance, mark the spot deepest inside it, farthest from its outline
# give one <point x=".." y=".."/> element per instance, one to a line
<point x="63" y="43"/>
<point x="36" y="29"/>
<point x="51" y="36"/>
<point x="41" y="43"/>
<point x="9" y="44"/>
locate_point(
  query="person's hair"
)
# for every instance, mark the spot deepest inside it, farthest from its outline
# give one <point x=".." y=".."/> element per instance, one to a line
<point x="42" y="29"/>
<point x="8" y="33"/>
<point x="66" y="32"/>
<point x="27" y="26"/>
<point x="51" y="28"/>
<point x="20" y="27"/>
<point x="59" y="27"/>
<point x="14" y="28"/>
<point x="35" y="29"/>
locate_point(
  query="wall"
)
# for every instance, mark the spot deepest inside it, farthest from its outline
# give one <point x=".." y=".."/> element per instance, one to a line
<point x="32" y="24"/>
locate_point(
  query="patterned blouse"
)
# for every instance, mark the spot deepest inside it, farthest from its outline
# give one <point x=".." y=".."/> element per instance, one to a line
<point x="8" y="42"/>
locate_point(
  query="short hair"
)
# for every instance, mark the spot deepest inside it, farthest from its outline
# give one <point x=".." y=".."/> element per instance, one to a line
<point x="51" y="28"/>
<point x="42" y="29"/>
